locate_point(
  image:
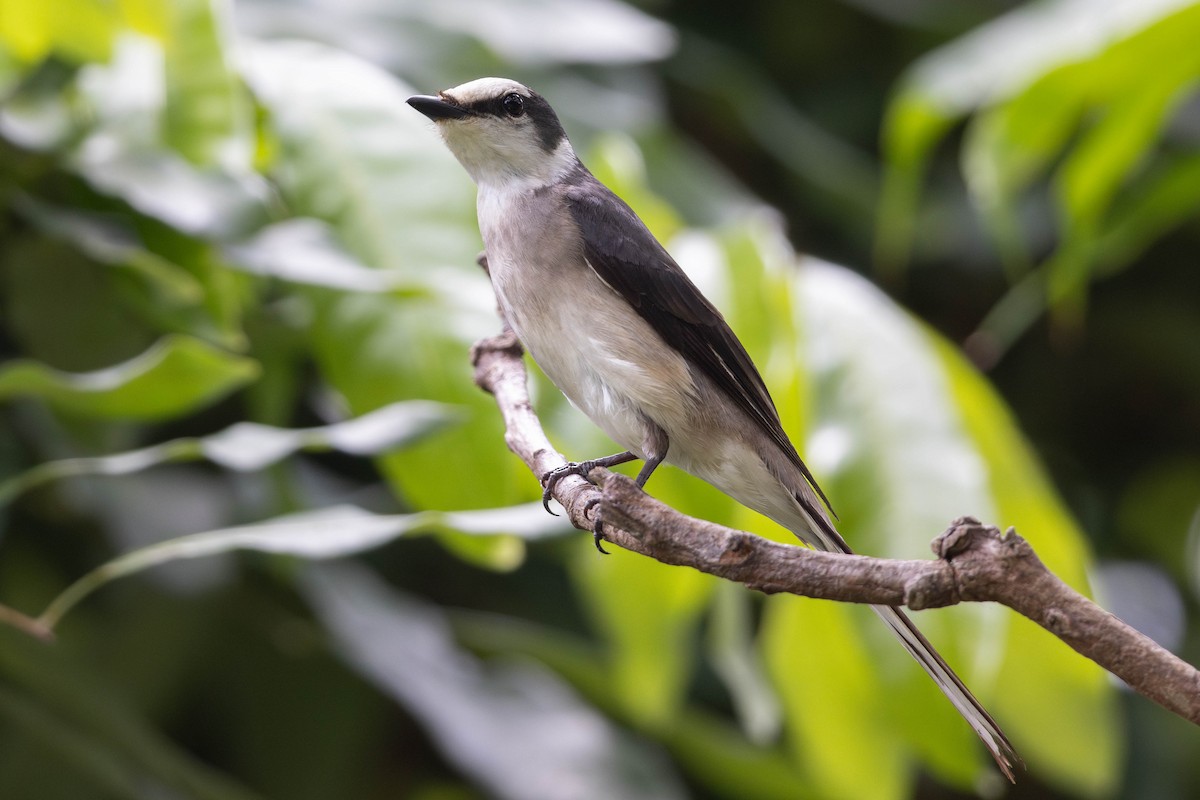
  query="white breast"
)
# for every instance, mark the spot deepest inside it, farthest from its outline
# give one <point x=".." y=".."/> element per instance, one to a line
<point x="595" y="348"/>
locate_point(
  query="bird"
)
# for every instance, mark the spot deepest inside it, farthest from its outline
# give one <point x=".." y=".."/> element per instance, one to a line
<point x="616" y="324"/>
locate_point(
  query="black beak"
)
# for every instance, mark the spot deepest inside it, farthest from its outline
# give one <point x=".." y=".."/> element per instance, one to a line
<point x="436" y="108"/>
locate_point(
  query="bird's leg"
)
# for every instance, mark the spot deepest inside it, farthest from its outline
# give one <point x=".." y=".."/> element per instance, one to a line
<point x="648" y="468"/>
<point x="598" y="524"/>
<point x="655" y="447"/>
<point x="551" y="478"/>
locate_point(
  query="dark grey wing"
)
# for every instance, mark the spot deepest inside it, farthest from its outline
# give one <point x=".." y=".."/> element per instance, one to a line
<point x="623" y="252"/>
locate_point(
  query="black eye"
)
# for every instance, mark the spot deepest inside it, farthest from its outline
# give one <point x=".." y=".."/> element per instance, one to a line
<point x="514" y="104"/>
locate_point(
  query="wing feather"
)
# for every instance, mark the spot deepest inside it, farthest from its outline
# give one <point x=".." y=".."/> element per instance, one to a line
<point x="623" y="252"/>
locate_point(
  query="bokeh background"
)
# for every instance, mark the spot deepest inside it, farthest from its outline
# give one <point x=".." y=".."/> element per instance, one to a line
<point x="246" y="478"/>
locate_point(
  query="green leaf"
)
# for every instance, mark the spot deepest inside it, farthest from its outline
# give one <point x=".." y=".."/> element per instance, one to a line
<point x="206" y="203"/>
<point x="125" y="155"/>
<point x="62" y="307"/>
<point x="647" y="613"/>
<point x="1139" y="103"/>
<point x="362" y="161"/>
<point x="207" y="113"/>
<point x="314" y="535"/>
<point x="887" y="447"/>
<point x="108" y="241"/>
<point x="1011" y="145"/>
<point x="174" y="377"/>
<point x="247" y="446"/>
<point x="78" y="30"/>
<point x="548" y="35"/>
<point x="1058" y="707"/>
<point x="1030" y="73"/>
<point x="176" y="288"/>
<point x="995" y="61"/>
<point x="912" y="127"/>
<point x="828" y="682"/>
<point x="355" y="155"/>
<point x="308" y="251"/>
<point x="513" y="727"/>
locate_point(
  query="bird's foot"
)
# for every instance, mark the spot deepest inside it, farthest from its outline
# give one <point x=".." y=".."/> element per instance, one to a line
<point x="551" y="478"/>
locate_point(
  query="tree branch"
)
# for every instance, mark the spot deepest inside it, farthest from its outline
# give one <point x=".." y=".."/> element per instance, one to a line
<point x="975" y="562"/>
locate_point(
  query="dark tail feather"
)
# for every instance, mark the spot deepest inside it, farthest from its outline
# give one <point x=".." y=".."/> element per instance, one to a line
<point x="953" y="687"/>
<point x="821" y="534"/>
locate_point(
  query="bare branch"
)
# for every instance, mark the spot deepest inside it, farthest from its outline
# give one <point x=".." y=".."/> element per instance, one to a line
<point x="975" y="562"/>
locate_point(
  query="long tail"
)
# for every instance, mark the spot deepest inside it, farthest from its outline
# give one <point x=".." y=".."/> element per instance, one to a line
<point x="952" y="686"/>
<point x="820" y="533"/>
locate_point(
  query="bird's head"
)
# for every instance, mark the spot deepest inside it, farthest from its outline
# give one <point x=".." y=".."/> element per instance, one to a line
<point x="500" y="131"/>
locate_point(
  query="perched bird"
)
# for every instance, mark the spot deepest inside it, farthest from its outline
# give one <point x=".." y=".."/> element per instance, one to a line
<point x="620" y="329"/>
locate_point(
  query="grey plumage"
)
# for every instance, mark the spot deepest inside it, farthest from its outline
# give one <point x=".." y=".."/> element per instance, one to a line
<point x="617" y="325"/>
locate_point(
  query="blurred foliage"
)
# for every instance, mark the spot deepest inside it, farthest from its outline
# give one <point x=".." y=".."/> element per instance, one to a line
<point x="1081" y="93"/>
<point x="238" y="287"/>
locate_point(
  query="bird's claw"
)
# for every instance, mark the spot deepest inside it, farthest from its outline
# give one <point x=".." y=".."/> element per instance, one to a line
<point x="597" y="523"/>
<point x="550" y="479"/>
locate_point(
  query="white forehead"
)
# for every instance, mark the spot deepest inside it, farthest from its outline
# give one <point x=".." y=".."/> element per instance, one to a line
<point x="485" y="89"/>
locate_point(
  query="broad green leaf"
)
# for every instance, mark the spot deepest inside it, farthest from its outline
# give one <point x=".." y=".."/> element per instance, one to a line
<point x="890" y="452"/>
<point x="147" y="17"/>
<point x="111" y="242"/>
<point x="836" y="728"/>
<point x="1057" y="706"/>
<point x="1139" y="81"/>
<point x="307" y="251"/>
<point x="590" y="31"/>
<point x="1009" y="146"/>
<point x="913" y="125"/>
<point x="1141" y="103"/>
<point x="719" y="758"/>
<point x="355" y="155"/>
<point x="1036" y="58"/>
<point x="126" y="156"/>
<point x="647" y="613"/>
<point x="207" y="113"/>
<point x="247" y="446"/>
<point x="1001" y="58"/>
<point x="526" y="32"/>
<point x="513" y="727"/>
<point x="175" y="376"/>
<point x="78" y="30"/>
<point x="175" y="288"/>
<point x="375" y="350"/>
<point x="62" y="307"/>
<point x="205" y="203"/>
<point x="59" y="706"/>
<point x="364" y="162"/>
<point x="314" y="535"/>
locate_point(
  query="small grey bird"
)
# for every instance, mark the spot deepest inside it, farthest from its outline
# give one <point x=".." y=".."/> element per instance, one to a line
<point x="618" y="327"/>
